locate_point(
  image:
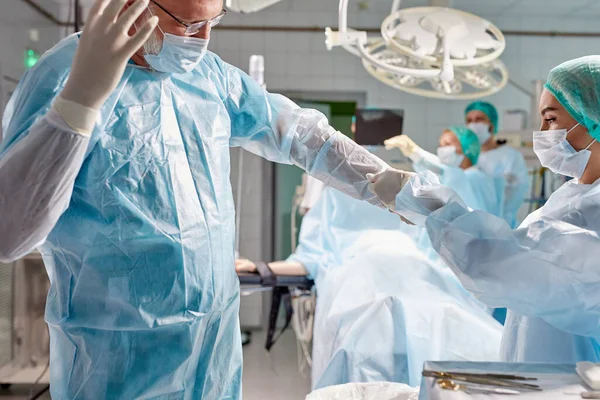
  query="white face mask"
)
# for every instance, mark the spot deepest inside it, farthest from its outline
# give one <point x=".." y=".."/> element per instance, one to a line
<point x="177" y="55"/>
<point x="482" y="130"/>
<point x="449" y="156"/>
<point x="556" y="153"/>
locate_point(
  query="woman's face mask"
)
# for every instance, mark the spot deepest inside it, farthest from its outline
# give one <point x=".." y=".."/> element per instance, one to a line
<point x="482" y="130"/>
<point x="556" y="153"/>
<point x="449" y="156"/>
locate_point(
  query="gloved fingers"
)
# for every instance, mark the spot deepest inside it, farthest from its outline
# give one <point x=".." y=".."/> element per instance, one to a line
<point x="391" y="141"/>
<point x="406" y="142"/>
<point x="389" y="144"/>
<point x="141" y="36"/>
<point x="396" y="141"/>
<point x="371" y="188"/>
<point x="130" y="15"/>
<point x="112" y="10"/>
<point x="96" y="10"/>
<point x="372" y="178"/>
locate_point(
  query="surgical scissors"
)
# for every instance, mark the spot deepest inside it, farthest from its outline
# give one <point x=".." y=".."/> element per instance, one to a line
<point x="448" y="384"/>
<point x="481" y="380"/>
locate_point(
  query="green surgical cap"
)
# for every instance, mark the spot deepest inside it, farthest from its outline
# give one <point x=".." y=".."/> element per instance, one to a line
<point x="469" y="142"/>
<point x="487" y="109"/>
<point x="576" y="85"/>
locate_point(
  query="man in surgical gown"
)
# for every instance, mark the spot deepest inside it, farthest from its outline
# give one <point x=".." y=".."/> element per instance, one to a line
<point x="119" y="170"/>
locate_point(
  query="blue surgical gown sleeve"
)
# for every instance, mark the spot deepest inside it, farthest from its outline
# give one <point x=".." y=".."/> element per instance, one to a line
<point x="315" y="250"/>
<point x="40" y="158"/>
<point x="424" y="160"/>
<point x="509" y="164"/>
<point x="272" y="126"/>
<point x="516" y="189"/>
<point x="452" y="177"/>
<point x="537" y="270"/>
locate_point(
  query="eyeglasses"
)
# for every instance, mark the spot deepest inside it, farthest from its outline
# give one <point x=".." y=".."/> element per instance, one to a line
<point x="195" y="27"/>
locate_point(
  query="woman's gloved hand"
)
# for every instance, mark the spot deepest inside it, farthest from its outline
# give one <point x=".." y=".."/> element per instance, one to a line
<point x="244" y="265"/>
<point x="104" y="50"/>
<point x="388" y="184"/>
<point x="406" y="145"/>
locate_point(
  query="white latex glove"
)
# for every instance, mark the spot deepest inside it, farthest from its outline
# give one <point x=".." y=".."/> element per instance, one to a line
<point x="388" y="184"/>
<point x="104" y="49"/>
<point x="406" y="145"/>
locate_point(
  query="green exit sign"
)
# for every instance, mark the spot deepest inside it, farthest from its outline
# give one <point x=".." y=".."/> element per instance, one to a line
<point x="30" y="58"/>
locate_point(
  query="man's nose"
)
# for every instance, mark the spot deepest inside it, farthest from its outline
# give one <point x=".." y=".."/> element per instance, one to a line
<point x="204" y="32"/>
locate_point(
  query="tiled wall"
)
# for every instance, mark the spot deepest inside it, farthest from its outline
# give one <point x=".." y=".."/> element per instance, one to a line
<point x="255" y="208"/>
<point x="16" y="19"/>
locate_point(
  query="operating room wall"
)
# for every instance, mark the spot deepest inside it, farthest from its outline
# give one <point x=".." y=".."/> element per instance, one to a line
<point x="300" y="61"/>
<point x="16" y="19"/>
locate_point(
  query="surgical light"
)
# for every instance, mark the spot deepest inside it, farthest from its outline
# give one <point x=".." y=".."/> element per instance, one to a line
<point x="429" y="51"/>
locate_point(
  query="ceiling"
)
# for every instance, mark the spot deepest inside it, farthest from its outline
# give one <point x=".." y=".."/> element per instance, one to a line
<point x="571" y="9"/>
<point x="496" y="8"/>
<point x="551" y="8"/>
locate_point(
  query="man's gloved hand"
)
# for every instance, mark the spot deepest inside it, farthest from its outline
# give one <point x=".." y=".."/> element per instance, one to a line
<point x="104" y="50"/>
<point x="404" y="143"/>
<point x="388" y="184"/>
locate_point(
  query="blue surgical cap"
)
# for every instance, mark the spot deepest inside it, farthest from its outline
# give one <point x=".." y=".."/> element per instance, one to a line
<point x="486" y="108"/>
<point x="576" y="85"/>
<point x="469" y="142"/>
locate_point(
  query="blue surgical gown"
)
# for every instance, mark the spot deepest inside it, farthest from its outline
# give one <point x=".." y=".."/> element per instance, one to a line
<point x="545" y="272"/>
<point x="144" y="297"/>
<point x="478" y="190"/>
<point x="383" y="308"/>
<point x="507" y="163"/>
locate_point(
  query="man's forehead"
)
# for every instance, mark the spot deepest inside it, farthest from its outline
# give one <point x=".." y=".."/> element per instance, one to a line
<point x="193" y="10"/>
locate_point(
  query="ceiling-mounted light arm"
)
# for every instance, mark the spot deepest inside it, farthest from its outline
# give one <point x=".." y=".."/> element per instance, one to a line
<point x="351" y="49"/>
<point x="343" y="36"/>
<point x="343" y="16"/>
<point x="395" y="6"/>
<point x="357" y="40"/>
<point x="447" y="73"/>
<point x="418" y="73"/>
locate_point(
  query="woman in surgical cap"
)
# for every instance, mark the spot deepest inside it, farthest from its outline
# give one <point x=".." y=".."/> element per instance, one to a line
<point x="455" y="165"/>
<point x="545" y="272"/>
<point x="497" y="159"/>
